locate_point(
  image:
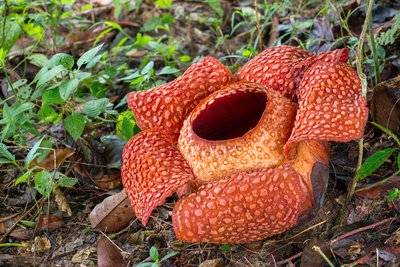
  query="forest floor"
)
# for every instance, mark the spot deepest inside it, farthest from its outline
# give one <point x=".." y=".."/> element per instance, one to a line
<point x="52" y="228"/>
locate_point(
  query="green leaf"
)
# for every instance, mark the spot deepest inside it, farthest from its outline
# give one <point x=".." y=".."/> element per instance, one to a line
<point x="22" y="108"/>
<point x="48" y="114"/>
<point x="5" y="161"/>
<point x="93" y="108"/>
<point x="163" y="3"/>
<point x="7" y="154"/>
<point x="184" y="58"/>
<point x="65" y="60"/>
<point x="52" y="97"/>
<point x="10" y="32"/>
<point x="386" y="131"/>
<point x="149" y="66"/>
<point x="216" y="6"/>
<point x="49" y="75"/>
<point x="33" y="152"/>
<point x="373" y="163"/>
<point x="28" y="223"/>
<point x="38" y="59"/>
<point x="154" y="253"/>
<point x="393" y="194"/>
<point x="68" y="87"/>
<point x="145" y="264"/>
<point x="88" y="56"/>
<point x="168" y="70"/>
<point x="23" y="178"/>
<point x="74" y="124"/>
<point x="67" y="182"/>
<point x="43" y="183"/>
<point x="225" y="247"/>
<point x="169" y="255"/>
<point x="398" y="161"/>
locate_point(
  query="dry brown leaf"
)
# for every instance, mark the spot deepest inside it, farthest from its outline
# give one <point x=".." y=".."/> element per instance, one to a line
<point x="376" y="191"/>
<point x="108" y="181"/>
<point x="62" y="202"/>
<point x="54" y="159"/>
<point x="385" y="106"/>
<point x="40" y="244"/>
<point x="49" y="223"/>
<point x="8" y="221"/>
<point x="113" y="214"/>
<point x="108" y="255"/>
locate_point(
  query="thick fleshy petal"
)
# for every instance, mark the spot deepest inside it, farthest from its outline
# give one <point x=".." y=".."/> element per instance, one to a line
<point x="152" y="170"/>
<point x="242" y="208"/>
<point x="166" y="106"/>
<point x="331" y="106"/>
<point x="242" y="127"/>
<point x="282" y="67"/>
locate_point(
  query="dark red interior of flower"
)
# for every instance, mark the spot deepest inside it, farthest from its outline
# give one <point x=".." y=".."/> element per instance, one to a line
<point x="230" y="116"/>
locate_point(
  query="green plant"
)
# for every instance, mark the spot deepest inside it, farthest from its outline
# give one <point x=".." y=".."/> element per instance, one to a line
<point x="376" y="160"/>
<point x="154" y="255"/>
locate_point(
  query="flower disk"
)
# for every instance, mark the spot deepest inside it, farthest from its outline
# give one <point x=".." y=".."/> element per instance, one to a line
<point x="242" y="127"/>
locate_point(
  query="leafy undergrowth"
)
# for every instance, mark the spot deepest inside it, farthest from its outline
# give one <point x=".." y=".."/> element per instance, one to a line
<point x="66" y="68"/>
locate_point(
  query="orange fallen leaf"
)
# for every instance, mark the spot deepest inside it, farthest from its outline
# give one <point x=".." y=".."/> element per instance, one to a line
<point x="113" y="214"/>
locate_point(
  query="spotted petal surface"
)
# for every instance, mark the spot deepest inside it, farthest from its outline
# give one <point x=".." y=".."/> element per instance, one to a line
<point x="282" y="67"/>
<point x="242" y="208"/>
<point x="166" y="106"/>
<point x="152" y="170"/>
<point x="331" y="106"/>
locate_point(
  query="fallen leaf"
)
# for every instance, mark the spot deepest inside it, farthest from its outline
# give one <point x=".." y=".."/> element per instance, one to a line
<point x="7" y="222"/>
<point x="40" y="244"/>
<point x="113" y="214"/>
<point x="108" y="181"/>
<point x="310" y="257"/>
<point x="108" y="255"/>
<point x="385" y="106"/>
<point x="62" y="202"/>
<point x="55" y="158"/>
<point x="49" y="223"/>
<point x="376" y="191"/>
<point x="213" y="263"/>
<point x="82" y="255"/>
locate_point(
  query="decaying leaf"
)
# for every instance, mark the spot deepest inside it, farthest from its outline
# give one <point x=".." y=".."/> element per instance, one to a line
<point x="385" y="106"/>
<point x="49" y="223"/>
<point x="62" y="202"/>
<point x="112" y="214"/>
<point x="54" y="159"/>
<point x="376" y="191"/>
<point x="108" y="255"/>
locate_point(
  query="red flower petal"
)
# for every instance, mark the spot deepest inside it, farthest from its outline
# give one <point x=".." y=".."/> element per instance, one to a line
<point x="242" y="208"/>
<point x="152" y="170"/>
<point x="282" y="67"/>
<point x="331" y="105"/>
<point x="166" y="106"/>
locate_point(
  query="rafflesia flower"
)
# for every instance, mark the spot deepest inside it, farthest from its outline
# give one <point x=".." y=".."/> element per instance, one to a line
<point x="251" y="149"/>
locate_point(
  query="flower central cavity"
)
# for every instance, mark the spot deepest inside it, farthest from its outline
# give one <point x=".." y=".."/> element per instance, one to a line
<point x="230" y="116"/>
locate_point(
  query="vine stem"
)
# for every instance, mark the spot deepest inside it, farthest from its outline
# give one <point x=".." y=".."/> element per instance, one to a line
<point x="359" y="60"/>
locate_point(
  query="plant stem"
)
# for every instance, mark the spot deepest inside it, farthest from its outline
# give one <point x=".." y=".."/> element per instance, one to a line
<point x="359" y="60"/>
<point x="374" y="53"/>
<point x="318" y="249"/>
<point x="379" y="182"/>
